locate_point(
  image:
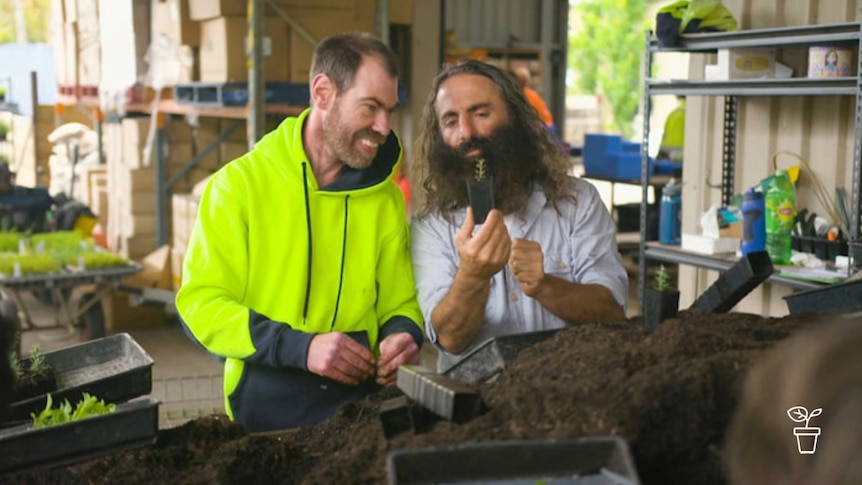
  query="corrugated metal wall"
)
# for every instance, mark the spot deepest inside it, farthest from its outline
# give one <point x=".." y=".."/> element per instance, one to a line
<point x="818" y="128"/>
<point x="530" y="23"/>
<point x="482" y="23"/>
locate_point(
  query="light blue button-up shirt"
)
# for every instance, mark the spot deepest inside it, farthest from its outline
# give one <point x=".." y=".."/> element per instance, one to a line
<point x="579" y="245"/>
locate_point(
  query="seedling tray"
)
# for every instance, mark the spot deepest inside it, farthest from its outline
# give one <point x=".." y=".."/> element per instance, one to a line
<point x="582" y="461"/>
<point x="131" y="425"/>
<point x="114" y="369"/>
<point x="486" y="361"/>
<point x="444" y="396"/>
<point x="732" y="286"/>
<point x="840" y="298"/>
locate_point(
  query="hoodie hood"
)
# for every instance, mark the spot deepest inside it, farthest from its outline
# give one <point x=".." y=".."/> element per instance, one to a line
<point x="292" y="156"/>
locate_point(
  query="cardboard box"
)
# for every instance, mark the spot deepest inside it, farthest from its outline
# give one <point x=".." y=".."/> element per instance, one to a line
<point x="156" y="272"/>
<point x="401" y="12"/>
<point x="134" y="141"/>
<point x="171" y="18"/>
<point x="179" y="154"/>
<point x="209" y="9"/>
<point x="136" y="225"/>
<point x="120" y="314"/>
<point x="321" y="4"/>
<point x="135" y="247"/>
<point x="320" y="26"/>
<point x="184" y="211"/>
<point x="70" y="11"/>
<point x="710" y="245"/>
<point x="746" y="63"/>
<point x="89" y="43"/>
<point x="231" y="150"/>
<point x="70" y="52"/>
<point x="141" y="203"/>
<point x="223" y="50"/>
<point x="177" y="267"/>
<point x="238" y="135"/>
<point x="177" y="130"/>
<point x="206" y="135"/>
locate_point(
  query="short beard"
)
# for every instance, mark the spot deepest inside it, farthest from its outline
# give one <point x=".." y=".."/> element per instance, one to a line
<point x="513" y="164"/>
<point x="337" y="135"/>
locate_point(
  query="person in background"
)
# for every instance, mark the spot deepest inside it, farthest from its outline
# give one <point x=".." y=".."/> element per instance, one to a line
<point x="673" y="137"/>
<point x="819" y="368"/>
<point x="22" y="209"/>
<point x="522" y="77"/>
<point x="544" y="258"/>
<point x="298" y="267"/>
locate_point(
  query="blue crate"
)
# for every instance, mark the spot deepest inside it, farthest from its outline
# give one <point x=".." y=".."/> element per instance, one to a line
<point x="609" y="156"/>
<point x="596" y="148"/>
<point x="236" y="94"/>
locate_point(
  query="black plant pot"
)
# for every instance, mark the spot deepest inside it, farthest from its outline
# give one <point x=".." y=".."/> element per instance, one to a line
<point x="659" y="306"/>
<point x="31" y="386"/>
<point x="481" y="194"/>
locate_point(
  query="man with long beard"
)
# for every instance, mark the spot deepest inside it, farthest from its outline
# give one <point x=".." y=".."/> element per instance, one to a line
<point x="298" y="268"/>
<point x="545" y="257"/>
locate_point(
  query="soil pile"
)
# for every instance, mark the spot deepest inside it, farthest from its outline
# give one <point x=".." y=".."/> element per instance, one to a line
<point x="669" y="394"/>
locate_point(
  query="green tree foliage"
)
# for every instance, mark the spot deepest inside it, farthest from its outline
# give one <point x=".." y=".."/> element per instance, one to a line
<point x="606" y="52"/>
<point x="36" y="16"/>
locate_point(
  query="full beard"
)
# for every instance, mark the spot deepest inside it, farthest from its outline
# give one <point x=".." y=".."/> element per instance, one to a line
<point x="512" y="165"/>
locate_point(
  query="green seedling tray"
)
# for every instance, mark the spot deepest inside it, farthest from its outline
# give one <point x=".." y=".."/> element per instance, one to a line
<point x="582" y="461"/>
<point x="487" y="360"/>
<point x="114" y="368"/>
<point x="131" y="425"/>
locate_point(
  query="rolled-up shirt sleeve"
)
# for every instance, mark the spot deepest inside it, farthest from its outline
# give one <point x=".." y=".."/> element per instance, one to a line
<point x="597" y="259"/>
<point x="435" y="262"/>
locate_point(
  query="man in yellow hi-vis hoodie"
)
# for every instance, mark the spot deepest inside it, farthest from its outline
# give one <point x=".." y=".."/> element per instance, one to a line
<point x="298" y="268"/>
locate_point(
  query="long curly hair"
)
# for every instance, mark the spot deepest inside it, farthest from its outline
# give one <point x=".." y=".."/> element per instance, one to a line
<point x="547" y="166"/>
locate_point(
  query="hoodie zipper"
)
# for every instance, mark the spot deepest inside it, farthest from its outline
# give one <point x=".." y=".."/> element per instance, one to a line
<point x="341" y="270"/>
<point x="308" y="225"/>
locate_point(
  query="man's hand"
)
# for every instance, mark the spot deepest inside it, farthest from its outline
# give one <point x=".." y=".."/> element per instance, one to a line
<point x="339" y="357"/>
<point x="484" y="254"/>
<point x="395" y="350"/>
<point x="528" y="266"/>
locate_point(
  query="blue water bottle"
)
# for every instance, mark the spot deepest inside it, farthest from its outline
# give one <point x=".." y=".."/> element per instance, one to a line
<point x="670" y="223"/>
<point x="753" y="222"/>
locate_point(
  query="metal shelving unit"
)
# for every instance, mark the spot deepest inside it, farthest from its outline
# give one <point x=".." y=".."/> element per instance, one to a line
<point x="827" y="34"/>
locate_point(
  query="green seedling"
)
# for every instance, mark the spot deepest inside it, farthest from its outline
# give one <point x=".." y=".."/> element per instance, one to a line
<point x="88" y="407"/>
<point x="38" y="365"/>
<point x="662" y="279"/>
<point x="481" y="169"/>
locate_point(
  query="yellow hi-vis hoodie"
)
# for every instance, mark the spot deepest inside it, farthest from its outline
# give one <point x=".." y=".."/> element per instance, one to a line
<point x="274" y="259"/>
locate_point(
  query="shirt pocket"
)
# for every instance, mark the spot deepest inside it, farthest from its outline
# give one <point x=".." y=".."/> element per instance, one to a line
<point x="559" y="265"/>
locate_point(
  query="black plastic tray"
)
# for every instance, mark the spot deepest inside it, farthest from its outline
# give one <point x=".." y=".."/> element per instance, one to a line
<point x="739" y="280"/>
<point x="582" y="461"/>
<point x="113" y="368"/>
<point x="131" y="425"/>
<point x="490" y="358"/>
<point x="840" y="298"/>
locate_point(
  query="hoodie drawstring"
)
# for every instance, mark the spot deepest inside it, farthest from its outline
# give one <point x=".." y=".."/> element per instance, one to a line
<point x="341" y="271"/>
<point x="308" y="225"/>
